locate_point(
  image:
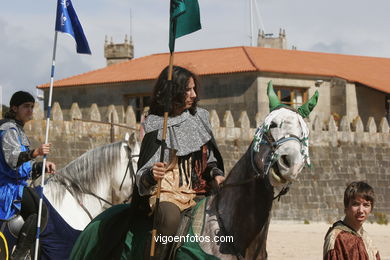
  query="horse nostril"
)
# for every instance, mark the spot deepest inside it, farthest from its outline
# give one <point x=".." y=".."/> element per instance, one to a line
<point x="285" y="161"/>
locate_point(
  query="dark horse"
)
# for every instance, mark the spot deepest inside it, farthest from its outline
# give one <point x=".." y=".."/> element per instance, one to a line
<point x="236" y="220"/>
<point x="242" y="208"/>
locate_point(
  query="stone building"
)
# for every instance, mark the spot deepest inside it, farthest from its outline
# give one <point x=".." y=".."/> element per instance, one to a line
<point x="235" y="79"/>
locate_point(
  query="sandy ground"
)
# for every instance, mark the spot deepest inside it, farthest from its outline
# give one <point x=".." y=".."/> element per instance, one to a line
<point x="293" y="241"/>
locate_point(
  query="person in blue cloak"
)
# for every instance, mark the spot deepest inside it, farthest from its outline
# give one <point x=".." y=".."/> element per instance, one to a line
<point x="17" y="166"/>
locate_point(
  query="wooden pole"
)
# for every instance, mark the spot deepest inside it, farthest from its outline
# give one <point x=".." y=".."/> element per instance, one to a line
<point x="163" y="145"/>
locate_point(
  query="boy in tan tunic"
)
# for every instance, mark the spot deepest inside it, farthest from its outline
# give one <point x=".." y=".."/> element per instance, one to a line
<point x="346" y="239"/>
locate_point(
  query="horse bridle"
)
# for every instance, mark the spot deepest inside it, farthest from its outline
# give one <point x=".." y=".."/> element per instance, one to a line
<point x="272" y="158"/>
<point x="132" y="174"/>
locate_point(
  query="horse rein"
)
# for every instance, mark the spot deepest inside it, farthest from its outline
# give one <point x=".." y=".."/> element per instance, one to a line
<point x="132" y="176"/>
<point x="67" y="187"/>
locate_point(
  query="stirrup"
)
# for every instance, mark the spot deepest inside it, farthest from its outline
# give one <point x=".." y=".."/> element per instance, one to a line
<point x="26" y="239"/>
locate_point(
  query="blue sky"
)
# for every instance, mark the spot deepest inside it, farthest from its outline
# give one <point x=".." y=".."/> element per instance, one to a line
<point x="354" y="27"/>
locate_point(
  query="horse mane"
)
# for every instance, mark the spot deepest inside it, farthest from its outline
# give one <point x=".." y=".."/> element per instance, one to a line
<point x="239" y="167"/>
<point x="87" y="172"/>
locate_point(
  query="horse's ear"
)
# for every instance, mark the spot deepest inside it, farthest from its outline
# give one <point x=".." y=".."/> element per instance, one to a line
<point x="306" y="108"/>
<point x="272" y="97"/>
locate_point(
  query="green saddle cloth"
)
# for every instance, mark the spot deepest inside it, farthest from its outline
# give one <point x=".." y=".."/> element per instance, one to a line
<point x="118" y="233"/>
<point x="110" y="236"/>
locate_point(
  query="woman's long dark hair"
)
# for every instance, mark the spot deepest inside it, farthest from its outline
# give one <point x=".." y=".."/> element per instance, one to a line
<point x="175" y="94"/>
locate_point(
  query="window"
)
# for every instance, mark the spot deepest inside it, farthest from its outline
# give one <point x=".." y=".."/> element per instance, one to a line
<point x="138" y="102"/>
<point x="293" y="97"/>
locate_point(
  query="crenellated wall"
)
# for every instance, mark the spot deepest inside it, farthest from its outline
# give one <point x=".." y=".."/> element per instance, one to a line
<point x="340" y="153"/>
<point x="71" y="138"/>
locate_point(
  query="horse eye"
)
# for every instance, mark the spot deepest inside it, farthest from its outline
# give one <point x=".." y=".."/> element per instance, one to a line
<point x="273" y="125"/>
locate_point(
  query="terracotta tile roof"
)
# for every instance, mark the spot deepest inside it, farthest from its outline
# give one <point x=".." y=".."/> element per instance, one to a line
<point x="371" y="71"/>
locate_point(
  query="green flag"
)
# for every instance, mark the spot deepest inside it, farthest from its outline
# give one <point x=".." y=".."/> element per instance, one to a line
<point x="184" y="19"/>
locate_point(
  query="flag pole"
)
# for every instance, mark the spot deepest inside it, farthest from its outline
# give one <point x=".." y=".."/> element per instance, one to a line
<point x="163" y="144"/>
<point x="189" y="21"/>
<point x="46" y="142"/>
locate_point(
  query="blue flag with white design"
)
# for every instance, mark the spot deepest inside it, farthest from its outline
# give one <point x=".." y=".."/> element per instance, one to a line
<point x="67" y="22"/>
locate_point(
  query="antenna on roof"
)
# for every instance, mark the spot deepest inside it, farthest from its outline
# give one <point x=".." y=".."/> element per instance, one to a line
<point x="258" y="21"/>
<point x="251" y="22"/>
<point x="131" y="27"/>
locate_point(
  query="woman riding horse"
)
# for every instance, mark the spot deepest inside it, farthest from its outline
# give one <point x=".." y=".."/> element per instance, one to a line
<point x="17" y="165"/>
<point x="192" y="162"/>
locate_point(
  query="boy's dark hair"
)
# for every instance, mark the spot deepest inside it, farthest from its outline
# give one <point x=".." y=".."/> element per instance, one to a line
<point x="176" y="93"/>
<point x="17" y="99"/>
<point x="359" y="189"/>
<point x="20" y="97"/>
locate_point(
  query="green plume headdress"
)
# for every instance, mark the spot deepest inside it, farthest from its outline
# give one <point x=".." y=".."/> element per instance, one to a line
<point x="303" y="110"/>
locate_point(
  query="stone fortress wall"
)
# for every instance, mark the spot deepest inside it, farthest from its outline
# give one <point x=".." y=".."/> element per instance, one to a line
<point x="340" y="153"/>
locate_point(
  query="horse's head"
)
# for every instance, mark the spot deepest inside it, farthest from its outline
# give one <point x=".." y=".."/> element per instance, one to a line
<point x="284" y="138"/>
<point x="124" y="179"/>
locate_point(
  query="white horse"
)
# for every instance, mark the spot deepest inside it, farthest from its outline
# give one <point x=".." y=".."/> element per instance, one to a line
<point x="80" y="191"/>
<point x="93" y="182"/>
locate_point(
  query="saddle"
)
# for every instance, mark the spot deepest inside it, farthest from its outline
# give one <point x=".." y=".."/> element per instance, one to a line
<point x="192" y="218"/>
<point x="15" y="223"/>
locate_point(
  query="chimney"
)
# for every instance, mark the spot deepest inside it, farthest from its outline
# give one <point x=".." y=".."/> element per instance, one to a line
<point x="118" y="52"/>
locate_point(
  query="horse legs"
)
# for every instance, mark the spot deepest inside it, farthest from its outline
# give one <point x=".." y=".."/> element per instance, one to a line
<point x="258" y="248"/>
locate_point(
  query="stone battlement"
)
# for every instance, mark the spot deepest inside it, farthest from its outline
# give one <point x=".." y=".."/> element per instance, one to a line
<point x="323" y="133"/>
